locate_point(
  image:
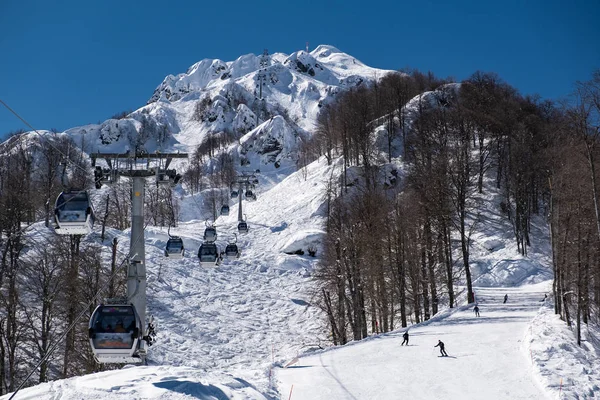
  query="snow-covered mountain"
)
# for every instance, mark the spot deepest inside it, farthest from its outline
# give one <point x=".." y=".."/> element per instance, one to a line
<point x="326" y="65"/>
<point x="249" y="329"/>
<point x="215" y="97"/>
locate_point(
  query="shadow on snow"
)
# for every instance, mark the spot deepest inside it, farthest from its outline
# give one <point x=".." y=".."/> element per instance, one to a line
<point x="195" y="389"/>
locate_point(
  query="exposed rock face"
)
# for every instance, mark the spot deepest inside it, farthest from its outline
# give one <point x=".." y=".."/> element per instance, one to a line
<point x="269" y="142"/>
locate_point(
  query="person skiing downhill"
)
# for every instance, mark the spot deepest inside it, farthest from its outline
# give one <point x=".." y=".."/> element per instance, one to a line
<point x="505" y="297"/>
<point x="476" y="309"/>
<point x="405" y="336"/>
<point x="441" y="346"/>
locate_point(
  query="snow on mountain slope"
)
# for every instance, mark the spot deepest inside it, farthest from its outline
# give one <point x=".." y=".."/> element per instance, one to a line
<point x="495" y="259"/>
<point x="343" y="65"/>
<point x="246" y="313"/>
<point x="271" y="142"/>
<point x="515" y="350"/>
<point x="216" y="97"/>
<point x="221" y="329"/>
<point x="325" y="63"/>
<point x="152" y="382"/>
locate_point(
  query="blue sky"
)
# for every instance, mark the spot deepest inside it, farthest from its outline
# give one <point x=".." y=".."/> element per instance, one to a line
<point x="69" y="63"/>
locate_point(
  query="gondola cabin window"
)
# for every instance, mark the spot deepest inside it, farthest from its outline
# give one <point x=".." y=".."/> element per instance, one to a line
<point x="114" y="327"/>
<point x="73" y="211"/>
<point x="73" y="207"/>
<point x="208" y="253"/>
<point x="174" y="246"/>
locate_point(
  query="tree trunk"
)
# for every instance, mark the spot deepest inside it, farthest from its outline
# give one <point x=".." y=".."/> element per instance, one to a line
<point x="341" y="312"/>
<point x="481" y="164"/>
<point x="105" y="219"/>
<point x="73" y="295"/>
<point x="329" y="311"/>
<point x="401" y="280"/>
<point x="3" y="380"/>
<point x="553" y="248"/>
<point x="431" y="269"/>
<point x="113" y="266"/>
<point x="449" y="263"/>
<point x="464" y="244"/>
<point x="424" y="283"/>
<point x="579" y="281"/>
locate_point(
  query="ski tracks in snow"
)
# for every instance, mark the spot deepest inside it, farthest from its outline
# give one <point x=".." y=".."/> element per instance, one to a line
<point x="488" y="357"/>
<point x="238" y="317"/>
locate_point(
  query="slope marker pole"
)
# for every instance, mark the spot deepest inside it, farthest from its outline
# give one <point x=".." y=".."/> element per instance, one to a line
<point x="531" y="354"/>
<point x="560" y="389"/>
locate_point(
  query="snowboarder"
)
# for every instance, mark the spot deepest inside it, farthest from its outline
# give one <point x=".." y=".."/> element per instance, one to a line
<point x="405" y="336"/>
<point x="476" y="309"/>
<point x="505" y="297"/>
<point x="441" y="346"/>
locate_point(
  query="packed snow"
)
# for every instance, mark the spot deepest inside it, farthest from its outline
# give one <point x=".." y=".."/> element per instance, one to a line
<point x="487" y="357"/>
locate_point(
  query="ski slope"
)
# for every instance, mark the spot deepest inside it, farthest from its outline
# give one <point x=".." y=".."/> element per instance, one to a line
<point x="487" y="357"/>
<point x="227" y="332"/>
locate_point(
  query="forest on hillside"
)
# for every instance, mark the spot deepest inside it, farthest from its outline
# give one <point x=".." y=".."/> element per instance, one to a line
<point x="389" y="248"/>
<point x="389" y="253"/>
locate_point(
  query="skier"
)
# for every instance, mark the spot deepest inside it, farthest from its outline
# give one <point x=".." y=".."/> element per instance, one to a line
<point x="405" y="336"/>
<point x="476" y="309"/>
<point x="505" y="297"/>
<point x="441" y="346"/>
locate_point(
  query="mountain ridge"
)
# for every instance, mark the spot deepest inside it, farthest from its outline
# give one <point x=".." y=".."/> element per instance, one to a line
<point x="214" y="97"/>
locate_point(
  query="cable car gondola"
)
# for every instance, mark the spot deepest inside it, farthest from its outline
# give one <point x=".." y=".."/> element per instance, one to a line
<point x="175" y="247"/>
<point x="225" y="209"/>
<point x="115" y="333"/>
<point x="210" y="233"/>
<point x="234" y="194"/>
<point x="73" y="213"/>
<point x="232" y="251"/>
<point x="208" y="253"/>
<point x="250" y="196"/>
<point x="243" y="227"/>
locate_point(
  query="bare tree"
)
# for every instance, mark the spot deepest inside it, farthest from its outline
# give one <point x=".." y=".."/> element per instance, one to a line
<point x="42" y="281"/>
